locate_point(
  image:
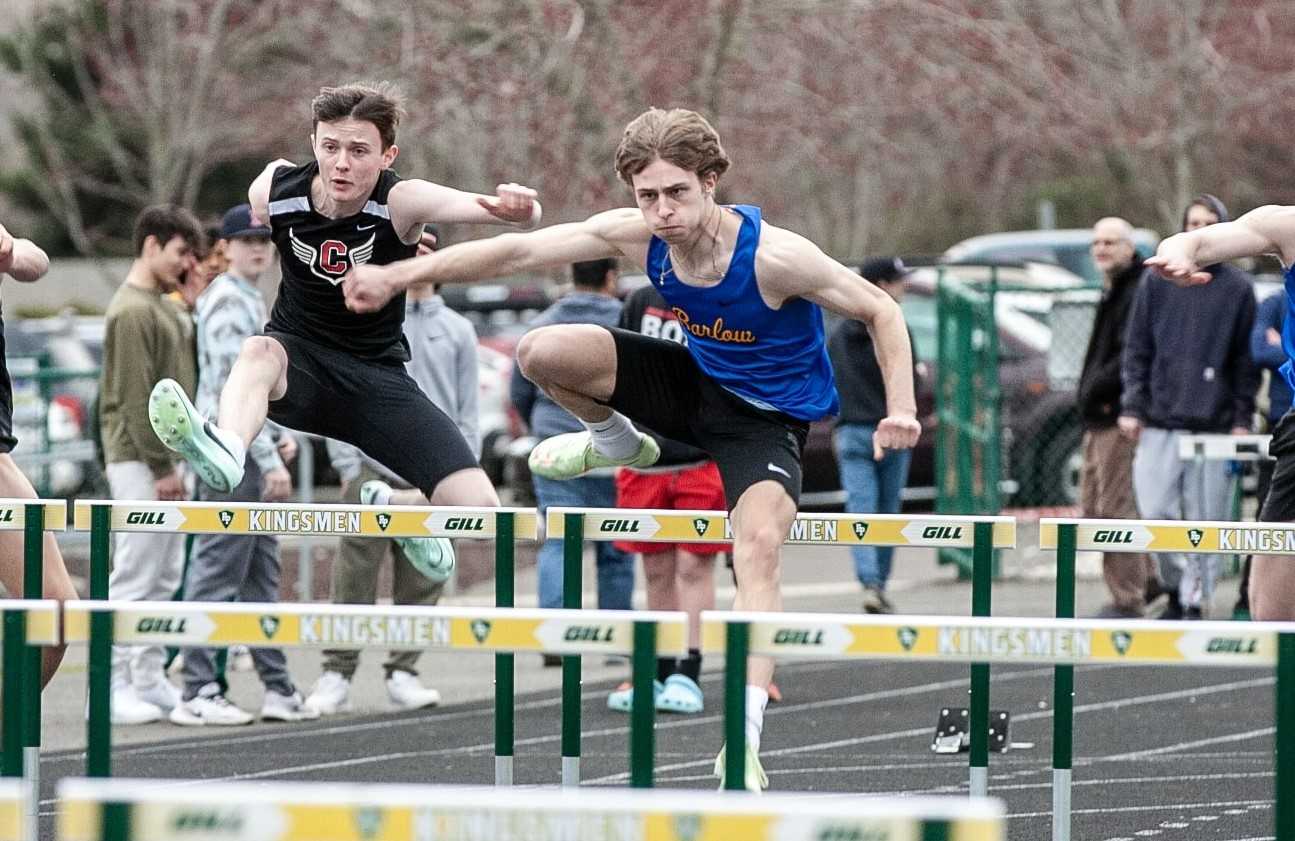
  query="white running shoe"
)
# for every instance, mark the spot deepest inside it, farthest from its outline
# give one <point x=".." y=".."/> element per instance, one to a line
<point x="209" y="709"/>
<point x="127" y="708"/>
<point x="331" y="694"/>
<point x="408" y="693"/>
<point x="162" y="694"/>
<point x="432" y="556"/>
<point x="572" y="454"/>
<point x="292" y="707"/>
<point x="215" y="454"/>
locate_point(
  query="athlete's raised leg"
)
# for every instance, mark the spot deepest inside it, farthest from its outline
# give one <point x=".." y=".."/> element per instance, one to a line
<point x="575" y="364"/>
<point x="1272" y="588"/>
<point x="57" y="584"/>
<point x="217" y="451"/>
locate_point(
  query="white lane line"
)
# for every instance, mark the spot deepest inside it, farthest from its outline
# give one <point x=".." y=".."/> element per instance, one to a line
<point x="880" y="737"/>
<point x="1181" y="746"/>
<point x="1159" y="807"/>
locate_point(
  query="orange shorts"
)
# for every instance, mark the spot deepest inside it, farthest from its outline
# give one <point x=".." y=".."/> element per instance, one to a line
<point x="690" y="489"/>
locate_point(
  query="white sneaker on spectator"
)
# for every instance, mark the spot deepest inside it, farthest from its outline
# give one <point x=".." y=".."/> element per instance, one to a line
<point x="162" y="694"/>
<point x="127" y="708"/>
<point x="212" y="708"/>
<point x="292" y="707"/>
<point x="406" y="692"/>
<point x="331" y="694"/>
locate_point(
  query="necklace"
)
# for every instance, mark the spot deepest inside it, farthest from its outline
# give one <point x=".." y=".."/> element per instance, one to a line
<point x="685" y="260"/>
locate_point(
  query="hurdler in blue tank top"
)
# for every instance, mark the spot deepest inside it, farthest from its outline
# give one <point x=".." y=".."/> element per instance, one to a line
<point x="773" y="359"/>
<point x="1287" y="369"/>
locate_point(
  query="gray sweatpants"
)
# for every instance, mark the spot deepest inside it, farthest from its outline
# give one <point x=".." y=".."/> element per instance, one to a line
<point x="234" y="567"/>
<point x="1169" y="488"/>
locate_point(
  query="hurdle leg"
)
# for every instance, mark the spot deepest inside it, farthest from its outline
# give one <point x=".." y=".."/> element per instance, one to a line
<point x="98" y="760"/>
<point x="14" y="693"/>
<point x="33" y="588"/>
<point x="643" y="710"/>
<point x="1063" y="691"/>
<point x="1285" y="776"/>
<point x="737" y="644"/>
<point x="981" y="581"/>
<point x="505" y="704"/>
<point x="572" y="589"/>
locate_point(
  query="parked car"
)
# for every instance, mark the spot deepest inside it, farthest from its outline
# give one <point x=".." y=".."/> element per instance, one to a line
<point x="53" y="365"/>
<point x="1066" y="247"/>
<point x="1023" y="342"/>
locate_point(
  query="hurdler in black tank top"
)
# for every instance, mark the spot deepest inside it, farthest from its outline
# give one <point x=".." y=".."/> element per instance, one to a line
<point x="316" y="252"/>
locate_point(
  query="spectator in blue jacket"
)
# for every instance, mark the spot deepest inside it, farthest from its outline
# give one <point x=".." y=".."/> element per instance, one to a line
<point x="592" y="301"/>
<point x="1186" y="368"/>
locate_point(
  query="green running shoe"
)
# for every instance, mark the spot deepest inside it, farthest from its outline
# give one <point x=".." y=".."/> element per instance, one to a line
<point x="573" y="454"/>
<point x="209" y="449"/>
<point x="432" y="556"/>
<point x="753" y="775"/>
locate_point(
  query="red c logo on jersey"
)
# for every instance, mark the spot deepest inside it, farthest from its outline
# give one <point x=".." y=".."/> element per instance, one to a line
<point x="330" y="257"/>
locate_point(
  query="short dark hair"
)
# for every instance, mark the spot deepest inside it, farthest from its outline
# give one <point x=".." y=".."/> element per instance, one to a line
<point x="380" y="103"/>
<point x="592" y="274"/>
<point x="166" y="221"/>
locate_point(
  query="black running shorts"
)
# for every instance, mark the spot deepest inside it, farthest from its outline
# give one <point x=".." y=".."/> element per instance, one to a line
<point x="376" y="406"/>
<point x="1279" y="507"/>
<point x="7" y="440"/>
<point x="660" y="387"/>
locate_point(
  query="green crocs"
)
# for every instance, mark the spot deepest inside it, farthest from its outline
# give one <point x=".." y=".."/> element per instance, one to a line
<point x="753" y="774"/>
<point x="572" y="454"/>
<point x="208" y="449"/>
<point x="622" y="698"/>
<point x="431" y="556"/>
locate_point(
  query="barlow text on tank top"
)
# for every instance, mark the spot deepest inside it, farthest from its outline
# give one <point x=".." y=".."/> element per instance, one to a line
<point x="774" y="359"/>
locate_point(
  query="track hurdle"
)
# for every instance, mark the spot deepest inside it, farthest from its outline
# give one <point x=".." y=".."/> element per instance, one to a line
<point x="1070" y="535"/>
<point x="14" y="825"/>
<point x="149" y="810"/>
<point x="504" y="525"/>
<point x="566" y="632"/>
<point x="1066" y="642"/>
<point x="980" y="534"/>
<point x="27" y="625"/>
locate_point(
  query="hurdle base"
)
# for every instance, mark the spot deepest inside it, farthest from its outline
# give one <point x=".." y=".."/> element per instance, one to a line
<point x="953" y="731"/>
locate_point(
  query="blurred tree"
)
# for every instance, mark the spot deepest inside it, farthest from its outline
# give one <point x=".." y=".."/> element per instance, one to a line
<point x="137" y="101"/>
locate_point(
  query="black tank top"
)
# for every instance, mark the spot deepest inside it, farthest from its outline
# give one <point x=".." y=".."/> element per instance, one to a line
<point x="316" y="252"/>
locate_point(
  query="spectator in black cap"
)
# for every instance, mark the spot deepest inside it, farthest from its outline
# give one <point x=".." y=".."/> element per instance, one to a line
<point x="872" y="485"/>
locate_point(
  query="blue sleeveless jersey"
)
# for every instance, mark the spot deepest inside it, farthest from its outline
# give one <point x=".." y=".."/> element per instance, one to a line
<point x="773" y="359"/>
<point x="1288" y="328"/>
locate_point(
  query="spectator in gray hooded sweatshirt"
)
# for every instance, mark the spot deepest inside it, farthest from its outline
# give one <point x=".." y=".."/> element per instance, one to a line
<point x="592" y="301"/>
<point x="1186" y="369"/>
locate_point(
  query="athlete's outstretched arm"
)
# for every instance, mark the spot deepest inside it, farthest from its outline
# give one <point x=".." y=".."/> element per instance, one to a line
<point x="789" y="265"/>
<point x="1264" y="230"/>
<point x="21" y="259"/>
<point x="614" y="233"/>
<point x="415" y="202"/>
<point x="258" y="195"/>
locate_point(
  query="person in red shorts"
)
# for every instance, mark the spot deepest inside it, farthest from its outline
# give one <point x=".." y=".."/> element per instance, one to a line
<point x="679" y="576"/>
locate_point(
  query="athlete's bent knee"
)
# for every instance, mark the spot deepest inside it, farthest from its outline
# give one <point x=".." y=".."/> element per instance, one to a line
<point x="262" y="349"/>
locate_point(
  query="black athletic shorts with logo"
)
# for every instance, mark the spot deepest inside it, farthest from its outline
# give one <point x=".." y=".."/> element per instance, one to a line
<point x="376" y="406"/>
<point x="660" y="387"/>
<point x="1279" y="507"/>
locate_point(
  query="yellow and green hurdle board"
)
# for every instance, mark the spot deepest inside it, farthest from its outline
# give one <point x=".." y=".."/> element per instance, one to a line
<point x="152" y="810"/>
<point x="981" y="534"/>
<point x="503" y="525"/>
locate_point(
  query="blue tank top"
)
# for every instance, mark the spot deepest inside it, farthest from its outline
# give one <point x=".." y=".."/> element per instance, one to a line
<point x="774" y="359"/>
<point x="1287" y="369"/>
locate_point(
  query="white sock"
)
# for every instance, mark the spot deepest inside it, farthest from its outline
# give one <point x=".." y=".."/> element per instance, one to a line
<point x="382" y="497"/>
<point x="756" y="700"/>
<point x="615" y="438"/>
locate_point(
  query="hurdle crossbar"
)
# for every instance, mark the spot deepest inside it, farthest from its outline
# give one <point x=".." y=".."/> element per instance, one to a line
<point x="567" y="632"/>
<point x="1224" y="447"/>
<point x="1204" y="537"/>
<point x="149" y="810"/>
<point x="14" y="825"/>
